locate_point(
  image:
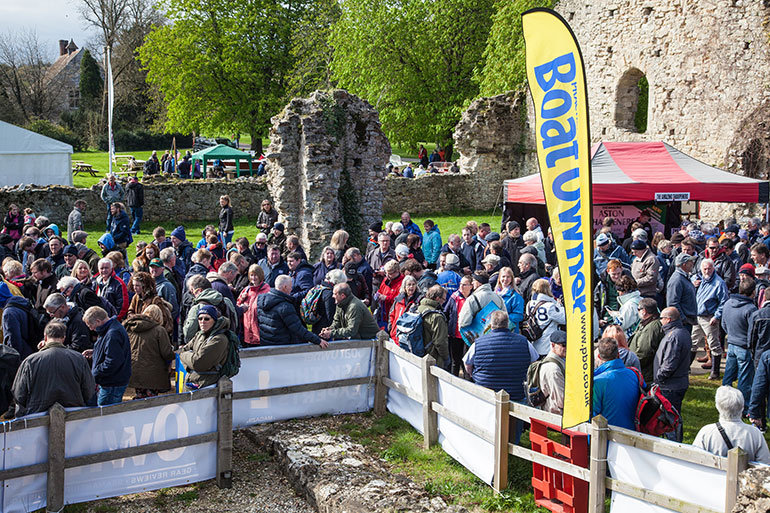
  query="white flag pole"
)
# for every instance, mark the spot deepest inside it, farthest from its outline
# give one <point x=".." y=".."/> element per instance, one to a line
<point x="110" y="103"/>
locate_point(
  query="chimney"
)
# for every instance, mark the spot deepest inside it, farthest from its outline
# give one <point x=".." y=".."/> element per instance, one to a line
<point x="71" y="47"/>
<point x="62" y="47"/>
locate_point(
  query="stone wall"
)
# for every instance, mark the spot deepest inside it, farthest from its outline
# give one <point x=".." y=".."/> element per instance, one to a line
<point x="430" y="194"/>
<point x="326" y="167"/>
<point x="165" y="203"/>
<point x="708" y="69"/>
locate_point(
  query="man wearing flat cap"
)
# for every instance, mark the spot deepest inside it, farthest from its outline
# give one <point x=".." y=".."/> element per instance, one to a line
<point x="680" y="292"/>
<point x="645" y="269"/>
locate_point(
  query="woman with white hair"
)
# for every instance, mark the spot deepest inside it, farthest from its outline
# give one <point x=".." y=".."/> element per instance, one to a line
<point x="731" y="431"/>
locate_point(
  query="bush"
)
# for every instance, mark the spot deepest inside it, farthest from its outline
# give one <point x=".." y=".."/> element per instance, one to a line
<point x="58" y="132"/>
<point x="128" y="140"/>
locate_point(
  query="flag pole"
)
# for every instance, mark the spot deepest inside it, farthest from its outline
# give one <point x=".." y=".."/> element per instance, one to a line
<point x="110" y="104"/>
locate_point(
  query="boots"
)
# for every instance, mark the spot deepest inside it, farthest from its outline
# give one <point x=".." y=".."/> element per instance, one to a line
<point x="693" y="354"/>
<point x="716" y="362"/>
<point x="705" y="358"/>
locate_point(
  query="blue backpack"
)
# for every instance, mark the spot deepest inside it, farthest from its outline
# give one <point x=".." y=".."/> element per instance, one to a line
<point x="409" y="330"/>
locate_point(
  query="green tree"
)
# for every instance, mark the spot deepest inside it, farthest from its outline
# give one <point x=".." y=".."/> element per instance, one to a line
<point x="413" y="61"/>
<point x="90" y="83"/>
<point x="503" y="66"/>
<point x="222" y="66"/>
<point x="311" y="51"/>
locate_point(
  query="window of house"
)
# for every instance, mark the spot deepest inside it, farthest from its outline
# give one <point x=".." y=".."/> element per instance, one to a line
<point x="74" y="98"/>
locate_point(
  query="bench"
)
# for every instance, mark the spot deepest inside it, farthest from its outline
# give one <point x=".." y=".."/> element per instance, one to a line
<point x="81" y="167"/>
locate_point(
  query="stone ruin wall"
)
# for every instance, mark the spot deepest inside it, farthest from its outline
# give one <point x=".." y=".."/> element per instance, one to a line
<point x="326" y="167"/>
<point x="708" y="68"/>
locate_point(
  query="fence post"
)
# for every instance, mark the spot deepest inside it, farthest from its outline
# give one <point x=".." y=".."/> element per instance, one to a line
<point x="225" y="433"/>
<point x="502" y="420"/>
<point x="598" y="465"/>
<point x="382" y="369"/>
<point x="737" y="462"/>
<point x="429" y="394"/>
<point x="56" y="437"/>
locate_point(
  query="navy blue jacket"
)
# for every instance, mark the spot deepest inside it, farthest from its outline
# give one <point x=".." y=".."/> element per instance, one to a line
<point x="111" y="365"/>
<point x="302" y="280"/>
<point x="120" y="228"/>
<point x="464" y="262"/>
<point x="501" y="362"/>
<point x="320" y="270"/>
<point x="184" y="253"/>
<point x="273" y="272"/>
<point x="279" y="322"/>
<point x="365" y="270"/>
<point x="735" y="319"/>
<point x="671" y="368"/>
<point x="680" y="293"/>
<point x="16" y="326"/>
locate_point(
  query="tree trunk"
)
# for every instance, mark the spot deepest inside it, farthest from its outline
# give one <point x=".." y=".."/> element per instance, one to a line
<point x="256" y="144"/>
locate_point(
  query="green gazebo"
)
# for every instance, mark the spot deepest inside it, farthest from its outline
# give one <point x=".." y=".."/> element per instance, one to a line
<point x="222" y="152"/>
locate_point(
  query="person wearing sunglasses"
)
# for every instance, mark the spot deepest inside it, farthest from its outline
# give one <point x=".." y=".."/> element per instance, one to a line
<point x="207" y="351"/>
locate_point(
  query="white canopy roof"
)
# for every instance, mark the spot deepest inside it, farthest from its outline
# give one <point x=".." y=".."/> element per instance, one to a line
<point x="30" y="158"/>
<point x="17" y="140"/>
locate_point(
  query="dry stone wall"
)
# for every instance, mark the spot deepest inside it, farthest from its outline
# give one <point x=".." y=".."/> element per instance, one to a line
<point x="165" y="203"/>
<point x="326" y="167"/>
<point x="708" y="69"/>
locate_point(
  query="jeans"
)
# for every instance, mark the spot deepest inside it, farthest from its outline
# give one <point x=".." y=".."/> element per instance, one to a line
<point x="226" y="237"/>
<point x="110" y="395"/>
<point x="740" y="366"/>
<point x="109" y="218"/>
<point x="137" y="213"/>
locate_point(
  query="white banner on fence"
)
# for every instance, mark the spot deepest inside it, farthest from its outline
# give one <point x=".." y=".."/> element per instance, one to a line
<point x="473" y="452"/>
<point x="24" y="447"/>
<point x="409" y="375"/>
<point x="661" y="474"/>
<point x="263" y="372"/>
<point x="173" y="467"/>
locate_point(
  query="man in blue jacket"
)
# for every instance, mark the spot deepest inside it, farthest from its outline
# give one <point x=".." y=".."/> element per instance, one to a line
<point x="616" y="388"/>
<point x="279" y="321"/>
<point x="409" y="225"/>
<point x="301" y="274"/>
<point x="680" y="291"/>
<point x="711" y="296"/>
<point x="736" y="315"/>
<point x="17" y="331"/>
<point x="431" y="243"/>
<point x="111" y="356"/>
<point x="607" y="250"/>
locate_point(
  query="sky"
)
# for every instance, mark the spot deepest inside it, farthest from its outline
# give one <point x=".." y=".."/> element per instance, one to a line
<point x="51" y="19"/>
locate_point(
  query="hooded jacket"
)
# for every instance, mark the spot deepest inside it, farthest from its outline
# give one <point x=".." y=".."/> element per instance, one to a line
<point x="431" y="245"/>
<point x="302" y="280"/>
<point x="680" y="293"/>
<point x="476" y="302"/>
<point x="134" y="194"/>
<point x="615" y="393"/>
<point x="208" y="297"/>
<point x="735" y="319"/>
<point x="204" y="355"/>
<point x="112" y="355"/>
<point x="279" y="322"/>
<point x="151" y="352"/>
<point x="108" y="242"/>
<point x="644" y="343"/>
<point x="120" y="229"/>
<point x="435" y="331"/>
<point x="16" y="328"/>
<point x="78" y="335"/>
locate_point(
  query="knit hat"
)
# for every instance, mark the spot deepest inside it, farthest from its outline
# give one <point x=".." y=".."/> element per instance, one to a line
<point x="743" y="234"/>
<point x="351" y="269"/>
<point x="559" y="337"/>
<point x="5" y="294"/>
<point x="279" y="226"/>
<point x="638" y="244"/>
<point x="5" y="238"/>
<point x="747" y="269"/>
<point x="179" y="233"/>
<point x="734" y="228"/>
<point x="209" y="310"/>
<point x="698" y="236"/>
<point x="156" y="262"/>
<point x="70" y="249"/>
<point x="602" y="239"/>
<point x="512" y="225"/>
<point x="376" y="227"/>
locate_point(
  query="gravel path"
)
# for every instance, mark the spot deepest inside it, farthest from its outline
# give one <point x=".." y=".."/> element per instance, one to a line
<point x="258" y="486"/>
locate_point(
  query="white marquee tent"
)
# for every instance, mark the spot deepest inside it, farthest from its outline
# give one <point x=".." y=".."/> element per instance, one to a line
<point x="30" y="158"/>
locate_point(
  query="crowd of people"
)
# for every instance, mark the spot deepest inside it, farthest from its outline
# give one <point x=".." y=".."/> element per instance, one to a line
<point x="101" y="323"/>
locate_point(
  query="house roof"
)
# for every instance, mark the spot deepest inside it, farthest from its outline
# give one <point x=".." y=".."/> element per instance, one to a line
<point x="61" y="62"/>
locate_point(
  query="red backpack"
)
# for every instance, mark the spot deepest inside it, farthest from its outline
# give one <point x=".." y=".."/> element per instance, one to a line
<point x="655" y="415"/>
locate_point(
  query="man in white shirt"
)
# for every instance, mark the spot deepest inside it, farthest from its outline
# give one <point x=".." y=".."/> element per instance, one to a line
<point x="734" y="432"/>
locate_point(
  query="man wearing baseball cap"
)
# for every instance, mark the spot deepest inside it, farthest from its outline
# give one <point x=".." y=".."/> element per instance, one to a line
<point x="552" y="373"/>
<point x="680" y="292"/>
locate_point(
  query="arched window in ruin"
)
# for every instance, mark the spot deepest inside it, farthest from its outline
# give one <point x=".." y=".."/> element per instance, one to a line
<point x="754" y="162"/>
<point x="631" y="101"/>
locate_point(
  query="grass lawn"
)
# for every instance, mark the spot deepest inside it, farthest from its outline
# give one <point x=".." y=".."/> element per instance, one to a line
<point x="454" y="222"/>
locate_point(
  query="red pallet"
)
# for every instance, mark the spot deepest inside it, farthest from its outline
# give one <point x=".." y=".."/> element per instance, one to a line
<point x="554" y="490"/>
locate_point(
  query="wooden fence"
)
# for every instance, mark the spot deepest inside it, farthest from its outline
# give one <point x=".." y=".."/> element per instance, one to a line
<point x="601" y="434"/>
<point x="427" y="396"/>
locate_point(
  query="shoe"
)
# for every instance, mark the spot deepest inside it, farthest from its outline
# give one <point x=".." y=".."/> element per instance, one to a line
<point x="706" y="365"/>
<point x="703" y="359"/>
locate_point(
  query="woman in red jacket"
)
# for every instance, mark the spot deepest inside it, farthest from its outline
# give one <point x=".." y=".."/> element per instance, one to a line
<point x="407" y="300"/>
<point x="248" y="301"/>
<point x="389" y="289"/>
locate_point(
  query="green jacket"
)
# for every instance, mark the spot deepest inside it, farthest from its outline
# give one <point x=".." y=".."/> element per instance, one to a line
<point x="353" y="320"/>
<point x="644" y="342"/>
<point x="203" y="356"/>
<point x="434" y="331"/>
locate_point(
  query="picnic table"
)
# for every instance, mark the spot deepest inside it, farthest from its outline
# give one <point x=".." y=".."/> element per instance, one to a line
<point x="81" y="167"/>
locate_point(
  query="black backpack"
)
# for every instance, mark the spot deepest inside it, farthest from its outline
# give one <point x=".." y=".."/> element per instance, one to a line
<point x="535" y="394"/>
<point x="529" y="326"/>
